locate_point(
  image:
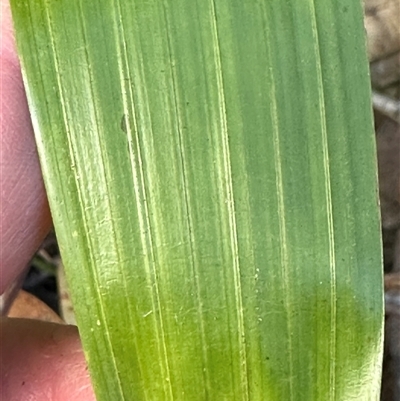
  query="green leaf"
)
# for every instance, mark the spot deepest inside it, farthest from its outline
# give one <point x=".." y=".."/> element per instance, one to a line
<point x="210" y="167"/>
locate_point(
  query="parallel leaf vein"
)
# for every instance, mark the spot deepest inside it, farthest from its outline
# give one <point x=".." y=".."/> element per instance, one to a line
<point x="281" y="207"/>
<point x="79" y="192"/>
<point x="230" y="205"/>
<point x="192" y="259"/>
<point x="141" y="196"/>
<point x="328" y="202"/>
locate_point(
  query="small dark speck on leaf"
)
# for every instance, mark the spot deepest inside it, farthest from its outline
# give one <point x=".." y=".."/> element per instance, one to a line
<point x="123" y="123"/>
<point x="345" y="9"/>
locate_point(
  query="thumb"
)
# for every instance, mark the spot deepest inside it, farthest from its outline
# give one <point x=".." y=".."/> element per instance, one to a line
<point x="42" y="361"/>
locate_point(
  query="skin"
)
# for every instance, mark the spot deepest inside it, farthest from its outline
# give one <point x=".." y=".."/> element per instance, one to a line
<point x="38" y="360"/>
